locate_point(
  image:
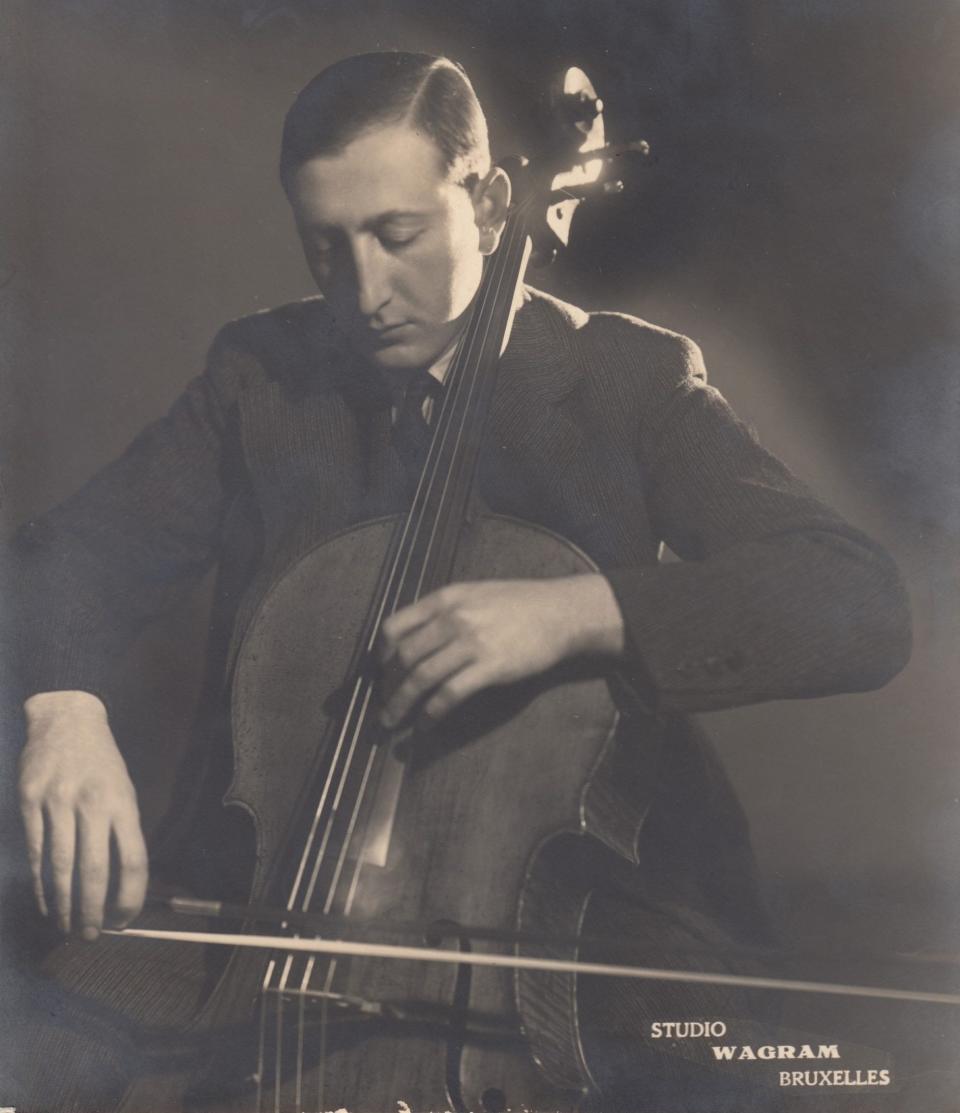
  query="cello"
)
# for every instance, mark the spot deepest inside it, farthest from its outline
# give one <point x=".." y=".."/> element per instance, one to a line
<point x="385" y="828"/>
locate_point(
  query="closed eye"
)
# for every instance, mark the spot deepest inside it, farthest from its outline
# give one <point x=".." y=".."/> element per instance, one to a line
<point x="399" y="239"/>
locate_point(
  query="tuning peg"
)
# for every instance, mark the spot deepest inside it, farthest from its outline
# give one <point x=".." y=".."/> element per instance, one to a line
<point x="614" y="150"/>
<point x="636" y="146"/>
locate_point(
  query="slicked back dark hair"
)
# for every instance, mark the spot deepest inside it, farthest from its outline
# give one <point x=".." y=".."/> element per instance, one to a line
<point x="433" y="95"/>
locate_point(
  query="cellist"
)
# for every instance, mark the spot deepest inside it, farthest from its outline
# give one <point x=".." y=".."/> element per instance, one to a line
<point x="307" y="418"/>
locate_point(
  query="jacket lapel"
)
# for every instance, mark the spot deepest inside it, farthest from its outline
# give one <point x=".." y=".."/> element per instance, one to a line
<point x="551" y="457"/>
<point x="532" y="440"/>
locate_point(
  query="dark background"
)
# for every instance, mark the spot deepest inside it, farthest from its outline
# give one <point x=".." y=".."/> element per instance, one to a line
<point x="801" y="222"/>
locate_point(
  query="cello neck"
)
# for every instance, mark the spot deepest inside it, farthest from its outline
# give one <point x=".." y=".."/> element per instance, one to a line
<point x="442" y="497"/>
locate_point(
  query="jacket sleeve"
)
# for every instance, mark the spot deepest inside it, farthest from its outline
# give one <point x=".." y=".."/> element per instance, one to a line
<point x="775" y="596"/>
<point x="86" y="576"/>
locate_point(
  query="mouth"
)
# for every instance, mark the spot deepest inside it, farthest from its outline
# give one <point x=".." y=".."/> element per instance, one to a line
<point x="388" y="334"/>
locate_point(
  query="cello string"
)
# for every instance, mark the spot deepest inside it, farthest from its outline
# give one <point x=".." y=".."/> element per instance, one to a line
<point x="321" y="1073"/>
<point x="431" y="469"/>
<point x="371" y="758"/>
<point x="278" y="1044"/>
<point x="298" y="880"/>
<point x="319" y="810"/>
<point x="363" y="692"/>
<point x="394" y="588"/>
<point x="308" y="971"/>
<point x="344" y="852"/>
<point x="470" y="388"/>
<point x="262" y="1057"/>
<point x="281" y="1001"/>
<point x="510" y="236"/>
<point x="321" y="852"/>
<point x="430" y="475"/>
<point x="358" y="689"/>
<point x="388" y="600"/>
<point x="492" y="291"/>
<point x="448" y="478"/>
<point x="516" y="234"/>
<point x="301" y="1023"/>
<point x="349" y="761"/>
<point x="261" y="1051"/>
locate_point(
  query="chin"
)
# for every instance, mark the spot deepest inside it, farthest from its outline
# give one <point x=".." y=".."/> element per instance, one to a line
<point x="397" y="357"/>
<point x="402" y="357"/>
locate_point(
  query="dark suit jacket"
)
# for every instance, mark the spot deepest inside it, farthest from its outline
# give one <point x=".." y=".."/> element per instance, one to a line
<point x="603" y="429"/>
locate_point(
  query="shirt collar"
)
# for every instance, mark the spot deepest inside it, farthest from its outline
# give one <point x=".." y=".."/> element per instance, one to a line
<point x="441" y="365"/>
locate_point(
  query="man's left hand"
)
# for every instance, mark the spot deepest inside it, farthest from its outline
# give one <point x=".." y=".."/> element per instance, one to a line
<point x="466" y="637"/>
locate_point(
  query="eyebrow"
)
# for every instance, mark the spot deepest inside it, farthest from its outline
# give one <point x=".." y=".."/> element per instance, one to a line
<point x="376" y="221"/>
<point x="397" y="214"/>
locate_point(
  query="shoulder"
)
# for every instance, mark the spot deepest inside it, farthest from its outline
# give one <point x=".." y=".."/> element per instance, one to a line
<point x="617" y="346"/>
<point x="289" y="343"/>
<point x="285" y="328"/>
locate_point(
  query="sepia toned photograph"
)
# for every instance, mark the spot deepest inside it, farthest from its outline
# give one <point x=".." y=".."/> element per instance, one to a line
<point x="480" y="559"/>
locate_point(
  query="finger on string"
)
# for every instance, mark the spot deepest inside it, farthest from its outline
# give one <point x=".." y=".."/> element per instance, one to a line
<point x="430" y="673"/>
<point x="416" y="614"/>
<point x="408" y="650"/>
<point x="93" y="870"/>
<point x="33" y="830"/>
<point x="62" y="843"/>
<point x="457" y="688"/>
<point x="132" y="869"/>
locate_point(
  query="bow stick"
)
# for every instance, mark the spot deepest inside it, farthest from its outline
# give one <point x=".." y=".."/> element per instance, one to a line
<point x="526" y="962"/>
<point x="325" y="923"/>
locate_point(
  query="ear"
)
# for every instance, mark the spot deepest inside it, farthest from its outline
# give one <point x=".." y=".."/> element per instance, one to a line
<point x="491" y="202"/>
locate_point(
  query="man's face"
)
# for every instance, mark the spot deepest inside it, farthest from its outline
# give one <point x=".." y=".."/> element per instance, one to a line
<point x="394" y="246"/>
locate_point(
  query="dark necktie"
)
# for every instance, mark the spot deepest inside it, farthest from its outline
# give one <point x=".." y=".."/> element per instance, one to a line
<point x="411" y="431"/>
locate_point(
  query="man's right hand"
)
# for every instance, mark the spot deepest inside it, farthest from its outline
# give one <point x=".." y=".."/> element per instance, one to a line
<point x="77" y="799"/>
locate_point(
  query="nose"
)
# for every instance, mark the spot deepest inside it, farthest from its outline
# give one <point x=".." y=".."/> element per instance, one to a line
<point x="371" y="275"/>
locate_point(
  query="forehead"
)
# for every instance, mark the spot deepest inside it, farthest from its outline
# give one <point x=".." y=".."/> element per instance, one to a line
<point x="383" y="170"/>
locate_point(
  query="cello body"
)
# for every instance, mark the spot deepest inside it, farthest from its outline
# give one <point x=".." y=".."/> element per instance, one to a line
<point x="521" y="813"/>
<point x="481" y="800"/>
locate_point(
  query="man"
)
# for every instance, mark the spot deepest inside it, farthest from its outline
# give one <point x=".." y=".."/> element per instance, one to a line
<point x="605" y="431"/>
